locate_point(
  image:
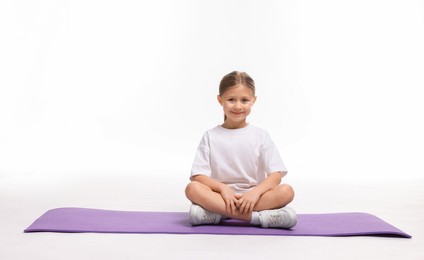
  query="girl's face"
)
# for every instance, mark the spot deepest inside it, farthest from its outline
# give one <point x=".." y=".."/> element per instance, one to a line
<point x="237" y="103"/>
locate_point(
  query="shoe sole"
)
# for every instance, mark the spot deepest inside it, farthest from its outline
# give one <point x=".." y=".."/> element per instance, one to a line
<point x="192" y="218"/>
<point x="192" y="215"/>
<point x="292" y="215"/>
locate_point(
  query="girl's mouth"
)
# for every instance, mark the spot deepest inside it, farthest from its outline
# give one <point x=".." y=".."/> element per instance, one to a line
<point x="237" y="113"/>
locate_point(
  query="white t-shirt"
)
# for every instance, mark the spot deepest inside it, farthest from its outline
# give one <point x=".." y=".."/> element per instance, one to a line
<point x="241" y="158"/>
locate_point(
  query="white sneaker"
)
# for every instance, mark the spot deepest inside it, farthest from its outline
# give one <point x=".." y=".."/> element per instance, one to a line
<point x="278" y="218"/>
<point x="200" y="216"/>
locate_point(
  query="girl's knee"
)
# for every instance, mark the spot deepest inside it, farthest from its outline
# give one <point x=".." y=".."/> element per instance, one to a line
<point x="287" y="193"/>
<point x="192" y="188"/>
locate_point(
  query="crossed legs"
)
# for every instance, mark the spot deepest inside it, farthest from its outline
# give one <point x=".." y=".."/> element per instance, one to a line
<point x="210" y="200"/>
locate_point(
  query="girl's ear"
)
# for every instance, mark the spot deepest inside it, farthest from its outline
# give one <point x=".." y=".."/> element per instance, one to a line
<point x="254" y="100"/>
<point x="219" y="99"/>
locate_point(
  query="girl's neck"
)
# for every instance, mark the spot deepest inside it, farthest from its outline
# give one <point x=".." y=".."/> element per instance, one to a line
<point x="234" y="125"/>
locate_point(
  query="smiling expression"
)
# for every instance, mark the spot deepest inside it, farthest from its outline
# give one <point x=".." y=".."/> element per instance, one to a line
<point x="237" y="103"/>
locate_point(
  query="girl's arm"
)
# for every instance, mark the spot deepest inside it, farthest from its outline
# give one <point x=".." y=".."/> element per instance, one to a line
<point x="208" y="181"/>
<point x="272" y="181"/>
<point x="226" y="192"/>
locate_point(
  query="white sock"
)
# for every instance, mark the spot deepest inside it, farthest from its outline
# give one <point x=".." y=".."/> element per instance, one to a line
<point x="255" y="218"/>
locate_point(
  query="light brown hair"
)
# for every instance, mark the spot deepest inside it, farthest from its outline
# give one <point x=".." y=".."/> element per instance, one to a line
<point x="235" y="78"/>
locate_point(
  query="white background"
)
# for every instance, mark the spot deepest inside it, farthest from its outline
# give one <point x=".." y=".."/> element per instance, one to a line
<point x="103" y="104"/>
<point x="116" y="86"/>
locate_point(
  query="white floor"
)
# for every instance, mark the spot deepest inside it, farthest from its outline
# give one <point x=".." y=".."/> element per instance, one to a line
<point x="24" y="198"/>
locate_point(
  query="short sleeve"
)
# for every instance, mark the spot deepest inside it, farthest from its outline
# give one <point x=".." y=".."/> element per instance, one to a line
<point x="271" y="158"/>
<point x="201" y="164"/>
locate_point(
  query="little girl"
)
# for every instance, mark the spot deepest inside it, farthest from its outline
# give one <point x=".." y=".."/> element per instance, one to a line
<point x="237" y="169"/>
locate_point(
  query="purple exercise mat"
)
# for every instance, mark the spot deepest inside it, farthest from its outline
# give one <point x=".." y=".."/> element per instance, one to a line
<point x="112" y="221"/>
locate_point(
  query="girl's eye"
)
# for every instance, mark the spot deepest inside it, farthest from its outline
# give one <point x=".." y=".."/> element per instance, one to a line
<point x="231" y="99"/>
<point x="245" y="100"/>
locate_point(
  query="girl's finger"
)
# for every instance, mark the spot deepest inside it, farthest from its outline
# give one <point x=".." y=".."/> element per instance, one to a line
<point x="228" y="205"/>
<point x="246" y="208"/>
<point x="243" y="208"/>
<point x="240" y="208"/>
<point x="238" y="203"/>
<point x="251" y="207"/>
<point x="233" y="208"/>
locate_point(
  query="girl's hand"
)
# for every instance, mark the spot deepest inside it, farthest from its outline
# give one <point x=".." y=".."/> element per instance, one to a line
<point x="230" y="200"/>
<point x="246" y="202"/>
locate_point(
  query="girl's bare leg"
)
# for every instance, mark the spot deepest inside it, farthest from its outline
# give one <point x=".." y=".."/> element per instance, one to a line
<point x="204" y="196"/>
<point x="210" y="200"/>
<point x="277" y="197"/>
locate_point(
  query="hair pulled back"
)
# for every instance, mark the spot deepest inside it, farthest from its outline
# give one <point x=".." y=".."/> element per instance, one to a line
<point x="236" y="78"/>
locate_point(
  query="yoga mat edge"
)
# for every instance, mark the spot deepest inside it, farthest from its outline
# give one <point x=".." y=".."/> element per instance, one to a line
<point x="86" y="220"/>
